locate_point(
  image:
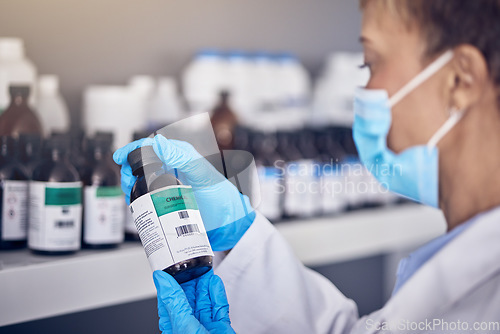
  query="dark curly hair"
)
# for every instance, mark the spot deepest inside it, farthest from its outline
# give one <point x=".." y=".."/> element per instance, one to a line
<point x="446" y="24"/>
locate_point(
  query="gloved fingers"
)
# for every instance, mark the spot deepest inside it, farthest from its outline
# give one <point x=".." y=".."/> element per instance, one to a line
<point x="173" y="297"/>
<point x="189" y="289"/>
<point x="164" y="322"/>
<point x="127" y="180"/>
<point x="121" y="154"/>
<point x="174" y="153"/>
<point x="191" y="166"/>
<point x="203" y="310"/>
<point x="220" y="305"/>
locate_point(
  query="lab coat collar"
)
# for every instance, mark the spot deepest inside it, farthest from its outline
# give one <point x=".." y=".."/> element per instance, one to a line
<point x="463" y="264"/>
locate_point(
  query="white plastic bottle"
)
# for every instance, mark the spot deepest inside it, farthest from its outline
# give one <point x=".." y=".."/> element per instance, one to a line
<point x="165" y="104"/>
<point x="51" y="108"/>
<point x="143" y="86"/>
<point x="263" y="82"/>
<point x="113" y="108"/>
<point x="15" y="68"/>
<point x="239" y="82"/>
<point x="203" y="79"/>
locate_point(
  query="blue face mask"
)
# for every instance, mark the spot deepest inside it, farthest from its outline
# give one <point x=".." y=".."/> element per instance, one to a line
<point x="414" y="172"/>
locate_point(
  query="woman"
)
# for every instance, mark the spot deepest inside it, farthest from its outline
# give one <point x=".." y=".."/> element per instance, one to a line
<point x="431" y="108"/>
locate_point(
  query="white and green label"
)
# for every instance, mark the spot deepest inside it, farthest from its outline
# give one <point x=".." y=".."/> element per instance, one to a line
<point x="55" y="218"/>
<point x="14" y="210"/>
<point x="170" y="226"/>
<point x="104" y="215"/>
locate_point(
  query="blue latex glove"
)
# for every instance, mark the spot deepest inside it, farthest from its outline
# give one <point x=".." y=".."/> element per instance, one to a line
<point x="226" y="213"/>
<point x="199" y="306"/>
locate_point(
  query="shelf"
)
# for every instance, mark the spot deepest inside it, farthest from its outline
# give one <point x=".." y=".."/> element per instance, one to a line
<point x="362" y="233"/>
<point x="34" y="287"/>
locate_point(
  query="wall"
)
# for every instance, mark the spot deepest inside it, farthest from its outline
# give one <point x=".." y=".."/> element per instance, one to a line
<point x="107" y="41"/>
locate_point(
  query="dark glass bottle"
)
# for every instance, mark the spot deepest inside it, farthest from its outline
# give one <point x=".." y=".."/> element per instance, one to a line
<point x="30" y="151"/>
<point x="103" y="223"/>
<point x="77" y="152"/>
<point x="55" y="202"/>
<point x="271" y="171"/>
<point x="13" y="197"/>
<point x="18" y="117"/>
<point x="224" y="123"/>
<point x="152" y="180"/>
<point x="130" y="229"/>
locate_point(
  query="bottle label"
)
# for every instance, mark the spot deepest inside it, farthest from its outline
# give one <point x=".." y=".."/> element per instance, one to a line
<point x="129" y="223"/>
<point x="170" y="226"/>
<point x="55" y="219"/>
<point x="104" y="216"/>
<point x="303" y="192"/>
<point x="271" y="191"/>
<point x="14" y="210"/>
<point x="332" y="189"/>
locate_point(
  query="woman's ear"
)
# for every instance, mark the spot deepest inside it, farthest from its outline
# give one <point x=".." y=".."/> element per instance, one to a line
<point x="469" y="78"/>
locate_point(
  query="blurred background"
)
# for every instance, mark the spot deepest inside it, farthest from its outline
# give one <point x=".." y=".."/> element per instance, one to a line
<point x="277" y="79"/>
<point x="107" y="42"/>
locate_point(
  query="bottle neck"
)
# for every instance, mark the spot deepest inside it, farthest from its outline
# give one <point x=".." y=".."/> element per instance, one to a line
<point x="99" y="154"/>
<point x="29" y="152"/>
<point x="56" y="154"/>
<point x="18" y="101"/>
<point x="147" y="169"/>
<point x="5" y="151"/>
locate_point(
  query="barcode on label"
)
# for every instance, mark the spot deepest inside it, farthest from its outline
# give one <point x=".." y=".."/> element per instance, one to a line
<point x="64" y="224"/>
<point x="183" y="214"/>
<point x="185" y="229"/>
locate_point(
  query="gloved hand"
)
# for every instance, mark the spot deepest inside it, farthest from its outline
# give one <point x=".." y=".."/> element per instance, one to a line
<point x="226" y="213"/>
<point x="200" y="306"/>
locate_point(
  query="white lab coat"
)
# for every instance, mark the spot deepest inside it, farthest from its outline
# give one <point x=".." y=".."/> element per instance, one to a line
<point x="271" y="291"/>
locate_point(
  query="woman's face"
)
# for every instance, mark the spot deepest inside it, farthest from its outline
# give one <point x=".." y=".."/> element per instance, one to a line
<point x="394" y="54"/>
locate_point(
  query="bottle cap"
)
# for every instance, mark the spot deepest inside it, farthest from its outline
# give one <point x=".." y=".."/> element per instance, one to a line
<point x="141" y="157"/>
<point x="11" y="47"/>
<point x="209" y="53"/>
<point x="23" y="91"/>
<point x="103" y="139"/>
<point x="25" y="138"/>
<point x="7" y="144"/>
<point x="59" y="141"/>
<point x="140" y="134"/>
<point x="48" y="85"/>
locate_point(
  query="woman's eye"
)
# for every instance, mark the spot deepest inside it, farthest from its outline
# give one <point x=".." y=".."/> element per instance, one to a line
<point x="365" y="65"/>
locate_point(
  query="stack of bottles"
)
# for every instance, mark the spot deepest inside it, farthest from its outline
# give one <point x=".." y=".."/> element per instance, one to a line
<point x="310" y="172"/>
<point x="145" y="103"/>
<point x="259" y="83"/>
<point x="57" y="195"/>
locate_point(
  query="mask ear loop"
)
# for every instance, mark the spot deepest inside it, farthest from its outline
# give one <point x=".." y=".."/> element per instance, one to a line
<point x="423" y="76"/>
<point x="455" y="116"/>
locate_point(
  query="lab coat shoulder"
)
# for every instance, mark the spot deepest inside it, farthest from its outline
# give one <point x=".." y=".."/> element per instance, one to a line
<point x="270" y="291"/>
<point x="459" y="284"/>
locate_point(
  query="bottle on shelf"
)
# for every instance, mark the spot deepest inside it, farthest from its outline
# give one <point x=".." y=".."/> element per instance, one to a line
<point x="103" y="217"/>
<point x="271" y="174"/>
<point x="51" y="108"/>
<point x="292" y="199"/>
<point x="331" y="156"/>
<point x="77" y="149"/>
<point x="224" y="122"/>
<point x="55" y="210"/>
<point x="166" y="107"/>
<point x="15" y="69"/>
<point x="30" y="151"/>
<point x="13" y="197"/>
<point x="18" y="117"/>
